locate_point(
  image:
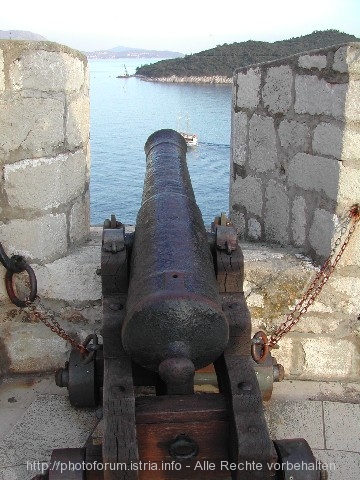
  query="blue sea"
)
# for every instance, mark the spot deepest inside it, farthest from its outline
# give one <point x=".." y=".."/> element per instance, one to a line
<point x="125" y="111"/>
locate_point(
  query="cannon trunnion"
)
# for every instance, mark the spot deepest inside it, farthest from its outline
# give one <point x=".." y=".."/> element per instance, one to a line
<point x="173" y="303"/>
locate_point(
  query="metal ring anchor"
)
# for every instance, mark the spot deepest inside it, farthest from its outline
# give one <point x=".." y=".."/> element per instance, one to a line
<point x="259" y="347"/>
<point x="10" y="287"/>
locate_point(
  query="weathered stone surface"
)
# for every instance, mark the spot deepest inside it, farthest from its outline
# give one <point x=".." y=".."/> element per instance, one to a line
<point x="239" y="138"/>
<point x="349" y="188"/>
<point x="80" y="219"/>
<point x="254" y="229"/>
<point x="2" y="73"/>
<point x="31" y="127"/>
<point x="312" y="61"/>
<point x="33" y="347"/>
<point x="316" y="96"/>
<point x="262" y="144"/>
<point x="41" y="239"/>
<point x="351" y="144"/>
<point x="47" y="71"/>
<point x="276" y="212"/>
<point x="45" y="183"/>
<point x="294" y="135"/>
<point x="298" y="221"/>
<point x="291" y="356"/>
<point x="327" y="358"/>
<point x="319" y="324"/>
<point x="328" y="140"/>
<point x="78" y="122"/>
<point x="352" y="112"/>
<point x="248" y="192"/>
<point x="347" y="59"/>
<point x="276" y="92"/>
<point x="248" y="95"/>
<point x="72" y="278"/>
<point x="321" y="232"/>
<point x="311" y="172"/>
<point x="348" y="290"/>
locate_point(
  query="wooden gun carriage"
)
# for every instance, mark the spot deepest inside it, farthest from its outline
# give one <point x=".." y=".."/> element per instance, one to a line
<point x="173" y="304"/>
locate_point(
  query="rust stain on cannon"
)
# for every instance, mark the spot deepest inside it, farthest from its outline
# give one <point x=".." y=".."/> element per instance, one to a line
<point x="173" y="307"/>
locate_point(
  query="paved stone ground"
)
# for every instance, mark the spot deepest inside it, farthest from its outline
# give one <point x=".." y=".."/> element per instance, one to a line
<point x="36" y="417"/>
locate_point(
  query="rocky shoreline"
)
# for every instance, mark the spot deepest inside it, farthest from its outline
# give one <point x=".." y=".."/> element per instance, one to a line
<point x="216" y="79"/>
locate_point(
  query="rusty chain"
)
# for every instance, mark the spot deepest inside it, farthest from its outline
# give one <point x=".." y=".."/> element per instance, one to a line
<point x="321" y="277"/>
<point x="17" y="264"/>
<point x="36" y="314"/>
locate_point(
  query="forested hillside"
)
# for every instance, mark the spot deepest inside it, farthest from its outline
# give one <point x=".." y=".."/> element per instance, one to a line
<point x="224" y="59"/>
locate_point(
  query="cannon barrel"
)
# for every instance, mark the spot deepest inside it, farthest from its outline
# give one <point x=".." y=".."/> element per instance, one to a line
<point x="174" y="320"/>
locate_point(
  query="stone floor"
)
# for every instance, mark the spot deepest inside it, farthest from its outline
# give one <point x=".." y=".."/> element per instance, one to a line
<point x="36" y="417"/>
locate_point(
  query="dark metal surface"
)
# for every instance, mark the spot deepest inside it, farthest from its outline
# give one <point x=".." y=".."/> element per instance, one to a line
<point x="296" y="460"/>
<point x="81" y="380"/>
<point x="173" y="307"/>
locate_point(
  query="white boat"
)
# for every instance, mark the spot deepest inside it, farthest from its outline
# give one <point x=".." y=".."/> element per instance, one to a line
<point x="191" y="139"/>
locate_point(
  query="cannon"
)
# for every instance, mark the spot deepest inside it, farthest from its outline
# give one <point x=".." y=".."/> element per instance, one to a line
<point x="173" y="304"/>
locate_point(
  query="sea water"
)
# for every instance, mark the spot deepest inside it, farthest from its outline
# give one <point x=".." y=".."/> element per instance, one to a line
<point x="125" y="111"/>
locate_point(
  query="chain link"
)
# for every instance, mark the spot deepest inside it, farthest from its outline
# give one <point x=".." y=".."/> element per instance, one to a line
<point x="36" y="314"/>
<point x="321" y="277"/>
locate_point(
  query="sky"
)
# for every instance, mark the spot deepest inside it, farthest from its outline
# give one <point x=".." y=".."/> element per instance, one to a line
<point x="188" y="26"/>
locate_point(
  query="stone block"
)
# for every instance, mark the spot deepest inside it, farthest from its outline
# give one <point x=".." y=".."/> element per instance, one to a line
<point x="294" y="136"/>
<point x="248" y="93"/>
<point x="2" y="72"/>
<point x="276" y="213"/>
<point x="33" y="347"/>
<point x="78" y="122"/>
<point x="316" y="324"/>
<point x="72" y="278"/>
<point x="41" y="239"/>
<point x="31" y="127"/>
<point x="262" y="144"/>
<point x="80" y="219"/>
<point x="277" y="89"/>
<point x="321" y="232"/>
<point x="247" y="192"/>
<point x="254" y="229"/>
<point x="351" y="145"/>
<point x="239" y="137"/>
<point x="298" y="221"/>
<point x="347" y="290"/>
<point x="291" y="356"/>
<point x="328" y="140"/>
<point x="339" y="418"/>
<point x="315" y="96"/>
<point x="312" y="61"/>
<point x="238" y="220"/>
<point x="349" y="188"/>
<point x="347" y="59"/>
<point x="45" y="183"/>
<point x="352" y="106"/>
<point x="45" y="71"/>
<point x="328" y="358"/>
<point x="311" y="172"/>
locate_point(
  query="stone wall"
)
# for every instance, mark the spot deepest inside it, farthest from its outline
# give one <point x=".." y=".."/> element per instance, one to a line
<point x="44" y="185"/>
<point x="295" y="173"/>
